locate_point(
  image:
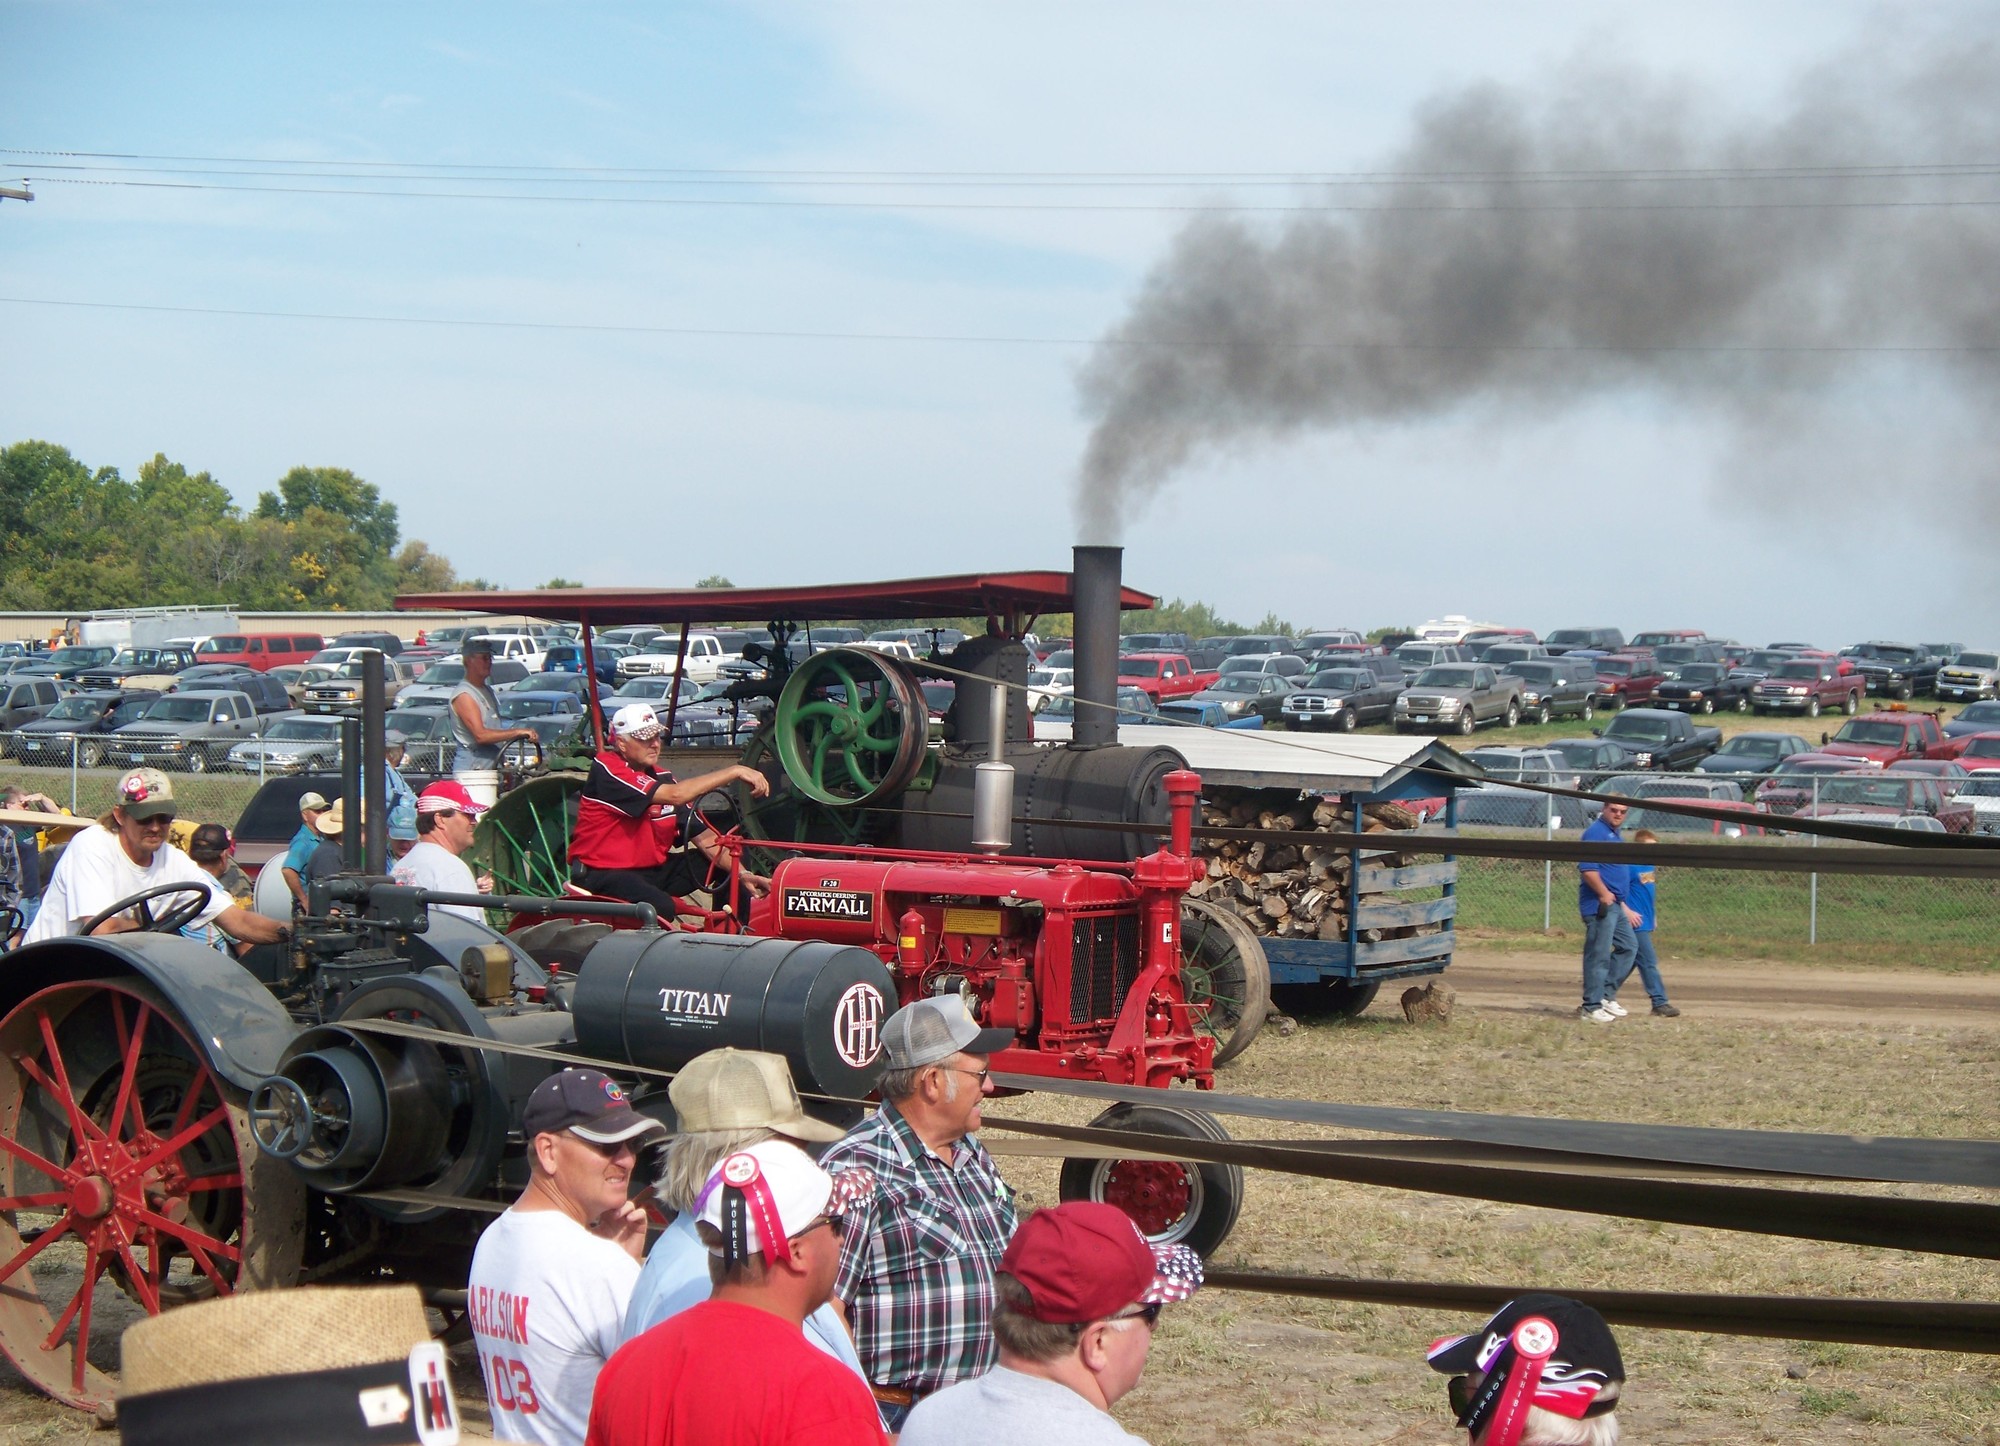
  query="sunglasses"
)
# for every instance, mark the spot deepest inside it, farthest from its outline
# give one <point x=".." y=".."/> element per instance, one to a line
<point x="982" y="1075"/>
<point x="158" y="820"/>
<point x="1150" y="1314"/>
<point x="836" y="1223"/>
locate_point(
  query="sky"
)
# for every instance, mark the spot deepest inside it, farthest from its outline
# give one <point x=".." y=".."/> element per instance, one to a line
<point x="732" y="289"/>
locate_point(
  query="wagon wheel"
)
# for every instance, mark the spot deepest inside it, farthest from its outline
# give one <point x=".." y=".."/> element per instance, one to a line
<point x="523" y="840"/>
<point x="1172" y="1204"/>
<point x="787" y="816"/>
<point x="851" y="727"/>
<point x="128" y="1182"/>
<point x="1224" y="975"/>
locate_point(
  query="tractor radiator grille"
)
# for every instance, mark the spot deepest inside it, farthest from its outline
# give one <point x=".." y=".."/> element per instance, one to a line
<point x="1104" y="962"/>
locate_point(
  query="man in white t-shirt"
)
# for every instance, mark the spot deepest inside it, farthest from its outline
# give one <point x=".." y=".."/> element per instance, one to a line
<point x="552" y="1276"/>
<point x="127" y="853"/>
<point x="447" y="822"/>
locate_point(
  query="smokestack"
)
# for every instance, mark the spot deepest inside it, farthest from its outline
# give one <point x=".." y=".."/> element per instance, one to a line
<point x="1095" y="580"/>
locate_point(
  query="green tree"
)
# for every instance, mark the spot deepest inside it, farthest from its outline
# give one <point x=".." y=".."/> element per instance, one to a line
<point x="338" y="492"/>
<point x="715" y="579"/>
<point x="418" y="569"/>
<point x="562" y="582"/>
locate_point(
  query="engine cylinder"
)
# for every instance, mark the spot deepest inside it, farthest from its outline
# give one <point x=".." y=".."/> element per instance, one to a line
<point x="1053" y="787"/>
<point x="371" y="1112"/>
<point x="661" y="999"/>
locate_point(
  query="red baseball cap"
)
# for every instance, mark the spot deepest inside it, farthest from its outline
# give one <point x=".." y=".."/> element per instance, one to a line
<point x="448" y="795"/>
<point x="1081" y="1262"/>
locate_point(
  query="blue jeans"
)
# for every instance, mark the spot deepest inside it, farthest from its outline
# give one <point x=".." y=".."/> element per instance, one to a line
<point x="1609" y="946"/>
<point x="1648" y="965"/>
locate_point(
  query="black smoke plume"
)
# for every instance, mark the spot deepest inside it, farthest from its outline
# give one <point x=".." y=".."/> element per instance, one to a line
<point x="1824" y="281"/>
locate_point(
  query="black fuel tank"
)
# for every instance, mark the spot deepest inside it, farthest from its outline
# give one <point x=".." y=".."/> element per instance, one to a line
<point x="1052" y="786"/>
<point x="661" y="999"/>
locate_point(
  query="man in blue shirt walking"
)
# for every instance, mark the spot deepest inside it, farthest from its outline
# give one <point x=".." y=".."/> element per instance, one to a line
<point x="1639" y="894"/>
<point x="1610" y="944"/>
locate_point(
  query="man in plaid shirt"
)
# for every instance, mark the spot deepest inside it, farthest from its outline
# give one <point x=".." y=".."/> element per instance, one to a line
<point x="917" y="1263"/>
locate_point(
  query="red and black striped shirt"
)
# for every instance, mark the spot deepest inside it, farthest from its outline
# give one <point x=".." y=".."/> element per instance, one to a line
<point x="618" y="826"/>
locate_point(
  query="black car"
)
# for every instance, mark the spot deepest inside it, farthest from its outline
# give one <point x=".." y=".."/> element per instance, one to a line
<point x="1895" y="670"/>
<point x="70" y="724"/>
<point x="1340" y="697"/>
<point x="1594" y="759"/>
<point x="265" y="692"/>
<point x="1703" y="688"/>
<point x="1242" y="694"/>
<point x="1567" y="640"/>
<point x="382" y="642"/>
<point x="1750" y="753"/>
<point x="1555" y="687"/>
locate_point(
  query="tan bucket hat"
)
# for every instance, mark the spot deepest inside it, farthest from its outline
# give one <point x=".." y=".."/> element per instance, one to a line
<point x="744" y="1089"/>
<point x="320" y="1366"/>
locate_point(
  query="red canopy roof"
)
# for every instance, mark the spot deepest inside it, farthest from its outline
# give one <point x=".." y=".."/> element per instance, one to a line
<point x="1025" y="594"/>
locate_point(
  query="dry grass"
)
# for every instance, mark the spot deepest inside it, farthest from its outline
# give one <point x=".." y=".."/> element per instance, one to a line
<point x="1278" y="1370"/>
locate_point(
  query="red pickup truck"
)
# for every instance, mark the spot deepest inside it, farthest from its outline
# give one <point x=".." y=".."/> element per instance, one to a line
<point x="1162" y="675"/>
<point x="1808" y="686"/>
<point x="1884" y="738"/>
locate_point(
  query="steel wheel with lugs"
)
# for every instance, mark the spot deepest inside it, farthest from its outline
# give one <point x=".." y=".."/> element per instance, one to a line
<point x="1224" y="975"/>
<point x="128" y="1182"/>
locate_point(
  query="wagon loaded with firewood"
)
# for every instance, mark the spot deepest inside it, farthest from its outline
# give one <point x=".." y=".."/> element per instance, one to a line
<point x="1332" y="920"/>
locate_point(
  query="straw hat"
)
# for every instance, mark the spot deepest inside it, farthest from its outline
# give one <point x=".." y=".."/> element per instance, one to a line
<point x="301" y="1367"/>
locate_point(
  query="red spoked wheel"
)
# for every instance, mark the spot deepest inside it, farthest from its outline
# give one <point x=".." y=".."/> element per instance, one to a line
<point x="1172" y="1203"/>
<point x="128" y="1182"/>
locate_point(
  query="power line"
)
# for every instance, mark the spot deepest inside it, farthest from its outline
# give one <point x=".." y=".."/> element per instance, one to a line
<point x="787" y="203"/>
<point x="582" y="176"/>
<point x="988" y="339"/>
<point x="1831" y="170"/>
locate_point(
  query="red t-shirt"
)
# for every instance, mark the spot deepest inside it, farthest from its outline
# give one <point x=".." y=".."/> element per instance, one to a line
<point x="618" y="826"/>
<point x="723" y="1374"/>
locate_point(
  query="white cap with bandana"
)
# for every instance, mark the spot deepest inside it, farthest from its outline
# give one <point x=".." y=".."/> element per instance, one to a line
<point x="636" y="720"/>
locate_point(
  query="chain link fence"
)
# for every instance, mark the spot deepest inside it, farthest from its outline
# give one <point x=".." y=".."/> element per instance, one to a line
<point x="1743" y="913"/>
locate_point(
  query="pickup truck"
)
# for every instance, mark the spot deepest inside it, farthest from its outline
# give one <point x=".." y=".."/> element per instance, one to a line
<point x="191" y="732"/>
<point x="1890" y="797"/>
<point x="1883" y="738"/>
<point x="1971" y="676"/>
<point x="1704" y="687"/>
<point x="1627" y="679"/>
<point x="1661" y="740"/>
<point x="1341" y="697"/>
<point x="137" y="668"/>
<point x="1807" y="685"/>
<point x="1162" y="675"/>
<point x="1896" y="670"/>
<point x="1458" y="696"/>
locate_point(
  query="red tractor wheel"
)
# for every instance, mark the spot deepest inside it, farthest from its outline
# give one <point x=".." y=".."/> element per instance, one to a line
<point x="128" y="1182"/>
<point x="1172" y="1204"/>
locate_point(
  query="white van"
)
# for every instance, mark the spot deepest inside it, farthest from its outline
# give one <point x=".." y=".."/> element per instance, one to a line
<point x="705" y="656"/>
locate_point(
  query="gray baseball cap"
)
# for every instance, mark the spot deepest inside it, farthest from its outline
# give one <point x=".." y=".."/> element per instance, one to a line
<point x="935" y="1029"/>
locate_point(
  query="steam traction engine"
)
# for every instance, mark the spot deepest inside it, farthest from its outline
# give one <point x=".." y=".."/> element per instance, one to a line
<point x="176" y="1124"/>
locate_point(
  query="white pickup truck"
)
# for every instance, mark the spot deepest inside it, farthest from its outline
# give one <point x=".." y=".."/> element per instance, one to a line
<point x="705" y="657"/>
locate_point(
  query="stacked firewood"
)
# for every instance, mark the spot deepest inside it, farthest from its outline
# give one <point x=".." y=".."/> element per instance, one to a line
<point x="1291" y="890"/>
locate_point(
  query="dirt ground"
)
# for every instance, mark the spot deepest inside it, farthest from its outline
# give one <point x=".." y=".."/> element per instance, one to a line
<point x="1866" y="1051"/>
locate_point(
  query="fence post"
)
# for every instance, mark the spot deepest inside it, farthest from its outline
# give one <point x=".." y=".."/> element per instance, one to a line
<point x="75" y="747"/>
<point x="1812" y="888"/>
<point x="1548" y="866"/>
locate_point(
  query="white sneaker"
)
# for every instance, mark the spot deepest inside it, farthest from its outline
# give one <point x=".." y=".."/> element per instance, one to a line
<point x="1599" y="1015"/>
<point x="1612" y="1006"/>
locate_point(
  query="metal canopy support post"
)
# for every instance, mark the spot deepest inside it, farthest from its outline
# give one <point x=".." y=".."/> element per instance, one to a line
<point x="1812" y="881"/>
<point x="596" y="709"/>
<point x="674" y="693"/>
<point x="374" y="797"/>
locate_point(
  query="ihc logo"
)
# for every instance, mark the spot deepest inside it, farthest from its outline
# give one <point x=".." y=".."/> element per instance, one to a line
<point x="857" y="1026"/>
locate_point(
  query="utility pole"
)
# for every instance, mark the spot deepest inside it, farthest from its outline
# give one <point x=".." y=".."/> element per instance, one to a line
<point x="16" y="193"/>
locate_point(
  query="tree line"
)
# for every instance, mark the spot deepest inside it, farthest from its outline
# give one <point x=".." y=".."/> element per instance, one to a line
<point x="74" y="537"/>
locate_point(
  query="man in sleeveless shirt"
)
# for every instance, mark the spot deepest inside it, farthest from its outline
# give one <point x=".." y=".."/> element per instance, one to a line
<point x="476" y="724"/>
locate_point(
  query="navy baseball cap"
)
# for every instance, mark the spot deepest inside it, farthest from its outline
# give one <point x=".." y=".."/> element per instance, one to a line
<point x="586" y="1103"/>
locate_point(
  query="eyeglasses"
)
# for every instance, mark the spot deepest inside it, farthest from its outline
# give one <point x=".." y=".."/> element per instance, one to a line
<point x="982" y="1075"/>
<point x="609" y="1152"/>
<point x="158" y="820"/>
<point x="1150" y="1314"/>
<point x="836" y="1223"/>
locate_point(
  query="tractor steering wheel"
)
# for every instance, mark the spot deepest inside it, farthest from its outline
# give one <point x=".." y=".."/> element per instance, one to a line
<point x="171" y="922"/>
